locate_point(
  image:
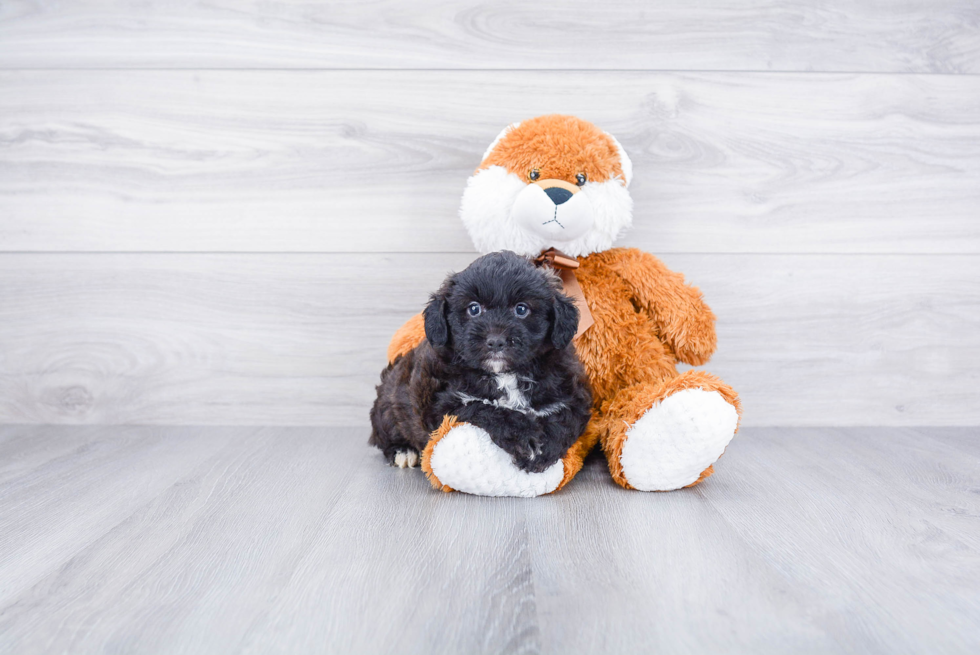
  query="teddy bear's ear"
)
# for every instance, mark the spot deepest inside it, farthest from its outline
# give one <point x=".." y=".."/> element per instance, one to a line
<point x="624" y="161"/>
<point x="565" y="324"/>
<point x="434" y="316"/>
<point x="502" y="134"/>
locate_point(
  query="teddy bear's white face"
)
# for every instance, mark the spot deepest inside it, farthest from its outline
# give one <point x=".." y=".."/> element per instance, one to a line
<point x="551" y="182"/>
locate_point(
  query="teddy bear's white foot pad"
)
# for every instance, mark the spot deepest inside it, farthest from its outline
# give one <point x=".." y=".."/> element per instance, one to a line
<point x="676" y="439"/>
<point x="467" y="460"/>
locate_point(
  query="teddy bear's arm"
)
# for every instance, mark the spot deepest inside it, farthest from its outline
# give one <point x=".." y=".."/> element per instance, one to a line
<point x="406" y="337"/>
<point x="686" y="322"/>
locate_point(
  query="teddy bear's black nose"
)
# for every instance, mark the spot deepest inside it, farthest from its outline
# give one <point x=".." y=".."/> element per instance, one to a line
<point x="558" y="195"/>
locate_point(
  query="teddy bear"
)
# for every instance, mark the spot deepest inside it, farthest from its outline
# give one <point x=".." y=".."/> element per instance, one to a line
<point x="555" y="188"/>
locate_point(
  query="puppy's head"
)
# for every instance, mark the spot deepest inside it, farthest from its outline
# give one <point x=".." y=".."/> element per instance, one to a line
<point x="500" y="314"/>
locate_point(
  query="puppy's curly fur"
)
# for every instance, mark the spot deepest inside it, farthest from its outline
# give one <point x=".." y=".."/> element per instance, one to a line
<point x="497" y="354"/>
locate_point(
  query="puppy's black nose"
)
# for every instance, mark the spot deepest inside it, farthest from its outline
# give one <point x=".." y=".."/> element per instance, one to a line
<point x="496" y="342"/>
<point x="558" y="195"/>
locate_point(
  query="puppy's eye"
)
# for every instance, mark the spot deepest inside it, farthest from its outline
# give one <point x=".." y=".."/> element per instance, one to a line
<point x="474" y="309"/>
<point x="534" y="174"/>
<point x="521" y="310"/>
<point x="581" y="179"/>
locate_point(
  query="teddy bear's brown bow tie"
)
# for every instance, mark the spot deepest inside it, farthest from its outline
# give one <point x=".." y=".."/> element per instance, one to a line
<point x="565" y="267"/>
<point x="556" y="259"/>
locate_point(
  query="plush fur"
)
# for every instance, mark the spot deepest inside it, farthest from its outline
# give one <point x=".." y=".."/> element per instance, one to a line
<point x="487" y="211"/>
<point x="560" y="147"/>
<point x="503" y="208"/>
<point x="647" y="319"/>
<point x="497" y="355"/>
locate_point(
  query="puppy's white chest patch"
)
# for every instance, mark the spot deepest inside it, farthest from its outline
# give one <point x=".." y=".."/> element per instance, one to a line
<point x="513" y="398"/>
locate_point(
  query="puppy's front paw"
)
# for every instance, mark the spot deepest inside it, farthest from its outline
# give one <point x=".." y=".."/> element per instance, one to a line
<point x="405" y="458"/>
<point x="530" y="457"/>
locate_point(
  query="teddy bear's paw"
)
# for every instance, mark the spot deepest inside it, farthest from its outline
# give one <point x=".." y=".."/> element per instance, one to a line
<point x="676" y="439"/>
<point x="467" y="460"/>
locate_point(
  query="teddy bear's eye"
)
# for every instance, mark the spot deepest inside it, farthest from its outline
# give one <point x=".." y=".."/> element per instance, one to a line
<point x="521" y="310"/>
<point x="534" y="174"/>
<point x="580" y="179"/>
<point x="474" y="309"/>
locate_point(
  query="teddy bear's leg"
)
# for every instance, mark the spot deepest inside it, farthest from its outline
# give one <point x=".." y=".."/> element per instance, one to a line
<point x="660" y="436"/>
<point x="406" y="337"/>
<point x="462" y="457"/>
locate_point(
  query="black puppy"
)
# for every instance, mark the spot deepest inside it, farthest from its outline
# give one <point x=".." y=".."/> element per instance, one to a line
<point x="497" y="354"/>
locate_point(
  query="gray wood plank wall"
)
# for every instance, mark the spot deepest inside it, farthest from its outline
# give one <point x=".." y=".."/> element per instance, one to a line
<point x="217" y="213"/>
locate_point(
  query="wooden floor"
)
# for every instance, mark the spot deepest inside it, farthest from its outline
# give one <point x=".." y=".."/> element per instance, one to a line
<point x="299" y="540"/>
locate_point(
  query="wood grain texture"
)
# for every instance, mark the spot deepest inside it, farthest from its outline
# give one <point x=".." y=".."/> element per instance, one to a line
<point x="223" y="535"/>
<point x="301" y="540"/>
<point x="845" y="500"/>
<point x="795" y="35"/>
<point x="376" y="161"/>
<point x="300" y="339"/>
<point x="965" y="442"/>
<point x="85" y="492"/>
<point x="439" y="573"/>
<point x="648" y="564"/>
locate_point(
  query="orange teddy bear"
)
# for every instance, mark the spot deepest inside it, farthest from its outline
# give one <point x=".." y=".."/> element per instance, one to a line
<point x="559" y="182"/>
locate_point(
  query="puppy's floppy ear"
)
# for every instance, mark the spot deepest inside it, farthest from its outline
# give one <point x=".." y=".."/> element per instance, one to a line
<point x="565" y="323"/>
<point x="436" y="326"/>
